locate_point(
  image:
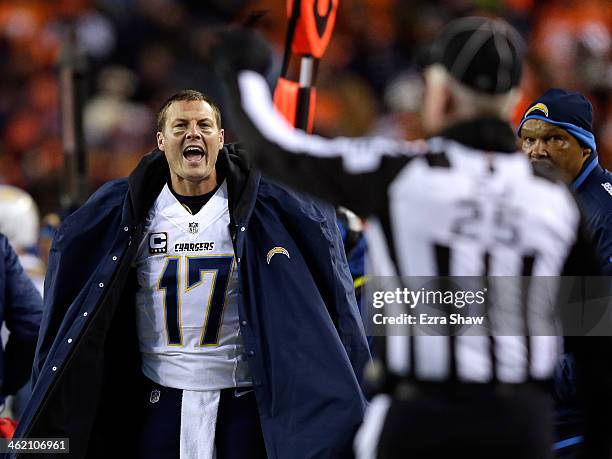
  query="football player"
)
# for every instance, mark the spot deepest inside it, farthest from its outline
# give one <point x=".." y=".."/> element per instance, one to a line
<point x="215" y="307"/>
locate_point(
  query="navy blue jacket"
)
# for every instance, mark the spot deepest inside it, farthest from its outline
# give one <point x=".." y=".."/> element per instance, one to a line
<point x="302" y="323"/>
<point x="21" y="310"/>
<point x="593" y="189"/>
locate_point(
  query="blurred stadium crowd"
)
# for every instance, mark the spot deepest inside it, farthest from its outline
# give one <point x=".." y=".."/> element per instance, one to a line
<point x="140" y="51"/>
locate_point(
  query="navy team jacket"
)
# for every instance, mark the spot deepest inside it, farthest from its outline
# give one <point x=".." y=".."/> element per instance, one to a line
<point x="20" y="310"/>
<point x="300" y="323"/>
<point x="593" y="189"/>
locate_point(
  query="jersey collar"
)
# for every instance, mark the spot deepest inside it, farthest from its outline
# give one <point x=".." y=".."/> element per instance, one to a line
<point x="170" y="207"/>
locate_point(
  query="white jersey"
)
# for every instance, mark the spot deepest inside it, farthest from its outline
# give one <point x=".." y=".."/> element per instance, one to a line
<point x="187" y="313"/>
<point x="472" y="215"/>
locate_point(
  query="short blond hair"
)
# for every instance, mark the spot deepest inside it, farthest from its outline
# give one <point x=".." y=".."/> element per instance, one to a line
<point x="189" y="95"/>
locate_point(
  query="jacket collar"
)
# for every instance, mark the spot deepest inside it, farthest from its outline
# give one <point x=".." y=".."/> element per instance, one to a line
<point x="145" y="183"/>
<point x="588" y="167"/>
<point x="489" y="134"/>
<point x="152" y="173"/>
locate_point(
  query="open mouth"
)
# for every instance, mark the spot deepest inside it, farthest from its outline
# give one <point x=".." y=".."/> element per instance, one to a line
<point x="193" y="153"/>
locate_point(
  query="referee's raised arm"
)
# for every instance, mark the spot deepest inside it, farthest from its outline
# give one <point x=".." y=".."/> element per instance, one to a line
<point x="337" y="170"/>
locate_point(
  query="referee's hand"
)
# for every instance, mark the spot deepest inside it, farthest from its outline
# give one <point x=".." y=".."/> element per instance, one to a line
<point x="241" y="49"/>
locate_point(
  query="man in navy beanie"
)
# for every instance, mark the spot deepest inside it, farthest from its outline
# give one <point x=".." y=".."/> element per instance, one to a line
<point x="557" y="128"/>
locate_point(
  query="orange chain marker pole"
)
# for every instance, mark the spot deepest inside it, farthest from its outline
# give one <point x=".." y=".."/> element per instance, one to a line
<point x="311" y="23"/>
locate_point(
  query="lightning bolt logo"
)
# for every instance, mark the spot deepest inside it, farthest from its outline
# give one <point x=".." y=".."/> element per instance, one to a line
<point x="539" y="106"/>
<point x="276" y="250"/>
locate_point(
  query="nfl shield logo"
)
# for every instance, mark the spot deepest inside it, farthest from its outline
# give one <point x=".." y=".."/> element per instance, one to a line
<point x="154" y="396"/>
<point x="193" y="227"/>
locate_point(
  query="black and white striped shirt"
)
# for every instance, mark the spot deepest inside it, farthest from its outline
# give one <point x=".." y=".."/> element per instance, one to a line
<point x="461" y="204"/>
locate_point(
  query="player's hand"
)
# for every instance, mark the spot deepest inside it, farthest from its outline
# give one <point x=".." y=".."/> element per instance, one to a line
<point x="241" y="49"/>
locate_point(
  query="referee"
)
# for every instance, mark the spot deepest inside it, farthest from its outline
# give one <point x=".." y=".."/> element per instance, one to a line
<point x="462" y="203"/>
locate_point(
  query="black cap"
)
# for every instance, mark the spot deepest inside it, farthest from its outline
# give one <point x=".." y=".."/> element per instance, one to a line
<point x="484" y="54"/>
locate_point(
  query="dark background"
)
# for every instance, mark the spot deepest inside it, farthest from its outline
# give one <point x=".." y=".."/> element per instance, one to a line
<point x="140" y="51"/>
